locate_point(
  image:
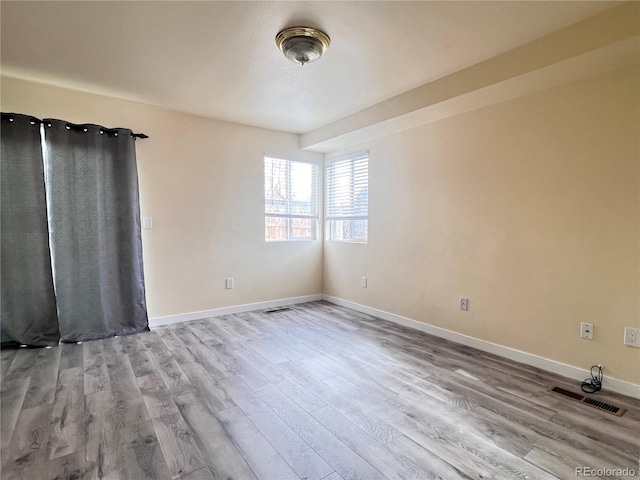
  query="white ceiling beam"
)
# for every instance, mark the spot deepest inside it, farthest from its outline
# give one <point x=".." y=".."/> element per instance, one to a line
<point x="603" y="42"/>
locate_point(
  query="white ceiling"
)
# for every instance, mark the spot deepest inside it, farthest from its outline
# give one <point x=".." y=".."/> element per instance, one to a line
<point x="219" y="59"/>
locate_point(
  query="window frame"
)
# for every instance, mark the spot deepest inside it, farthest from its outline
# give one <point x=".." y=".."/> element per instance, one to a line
<point x="352" y="158"/>
<point x="289" y="217"/>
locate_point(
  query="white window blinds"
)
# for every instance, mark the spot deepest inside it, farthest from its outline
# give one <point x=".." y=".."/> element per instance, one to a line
<point x="347" y="197"/>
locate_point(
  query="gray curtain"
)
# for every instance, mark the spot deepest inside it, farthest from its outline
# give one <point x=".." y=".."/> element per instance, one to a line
<point x="27" y="297"/>
<point x="94" y="221"/>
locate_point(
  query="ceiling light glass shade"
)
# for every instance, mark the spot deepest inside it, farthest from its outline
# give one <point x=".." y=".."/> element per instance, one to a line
<point x="302" y="44"/>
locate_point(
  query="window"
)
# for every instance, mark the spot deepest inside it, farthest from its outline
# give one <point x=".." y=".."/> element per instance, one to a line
<point x="347" y="199"/>
<point x="290" y="199"/>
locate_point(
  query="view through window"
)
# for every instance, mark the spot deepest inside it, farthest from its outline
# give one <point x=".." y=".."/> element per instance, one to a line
<point x="290" y="199"/>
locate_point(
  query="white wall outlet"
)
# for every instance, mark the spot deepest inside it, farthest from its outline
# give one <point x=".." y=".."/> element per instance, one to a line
<point x="229" y="283"/>
<point x="464" y="303"/>
<point x="586" y="330"/>
<point x="363" y="282"/>
<point x="147" y="222"/>
<point x="632" y="336"/>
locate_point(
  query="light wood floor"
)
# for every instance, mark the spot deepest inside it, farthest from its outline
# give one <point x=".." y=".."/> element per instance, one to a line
<point x="313" y="392"/>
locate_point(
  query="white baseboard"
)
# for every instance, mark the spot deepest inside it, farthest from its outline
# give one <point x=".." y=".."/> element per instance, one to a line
<point x="216" y="312"/>
<point x="612" y="384"/>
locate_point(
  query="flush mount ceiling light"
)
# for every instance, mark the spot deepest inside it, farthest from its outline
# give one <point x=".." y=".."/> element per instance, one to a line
<point x="302" y="44"/>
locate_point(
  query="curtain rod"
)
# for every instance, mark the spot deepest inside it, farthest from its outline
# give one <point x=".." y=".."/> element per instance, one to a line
<point x="69" y="125"/>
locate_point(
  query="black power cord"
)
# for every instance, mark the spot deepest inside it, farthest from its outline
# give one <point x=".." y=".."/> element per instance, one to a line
<point x="593" y="384"/>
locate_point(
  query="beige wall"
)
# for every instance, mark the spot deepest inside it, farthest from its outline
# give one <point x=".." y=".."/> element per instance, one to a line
<point x="202" y="182"/>
<point x="530" y="208"/>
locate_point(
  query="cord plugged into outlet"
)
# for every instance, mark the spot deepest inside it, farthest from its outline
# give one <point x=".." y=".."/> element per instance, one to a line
<point x="593" y="384"/>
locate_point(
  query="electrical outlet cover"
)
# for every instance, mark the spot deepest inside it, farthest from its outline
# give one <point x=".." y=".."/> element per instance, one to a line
<point x="632" y="337"/>
<point x="464" y="303"/>
<point x="586" y="330"/>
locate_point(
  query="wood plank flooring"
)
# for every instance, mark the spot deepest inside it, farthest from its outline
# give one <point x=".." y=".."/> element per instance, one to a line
<point x="315" y="392"/>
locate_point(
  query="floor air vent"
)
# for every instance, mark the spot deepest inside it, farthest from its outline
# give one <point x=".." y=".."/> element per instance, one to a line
<point x="567" y="393"/>
<point x="277" y="310"/>
<point x="607" y="407"/>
